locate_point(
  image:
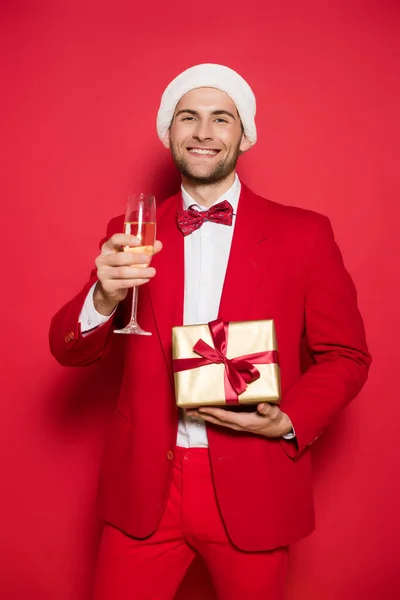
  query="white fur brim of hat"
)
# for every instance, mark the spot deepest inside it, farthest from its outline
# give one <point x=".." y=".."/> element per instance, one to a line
<point x="214" y="76"/>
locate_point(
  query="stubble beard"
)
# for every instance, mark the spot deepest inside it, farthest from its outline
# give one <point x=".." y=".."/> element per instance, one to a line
<point x="220" y="171"/>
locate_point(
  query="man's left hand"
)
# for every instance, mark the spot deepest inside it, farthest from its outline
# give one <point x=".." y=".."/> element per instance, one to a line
<point x="268" y="420"/>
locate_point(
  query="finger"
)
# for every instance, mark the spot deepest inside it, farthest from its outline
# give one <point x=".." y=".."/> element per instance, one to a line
<point x="244" y="421"/>
<point x="225" y="416"/>
<point x="252" y="422"/>
<point x="129" y="283"/>
<point x="193" y="413"/>
<point x="124" y="284"/>
<point x="118" y="259"/>
<point x="128" y="273"/>
<point x="117" y="240"/>
<point x="157" y="246"/>
<point x="272" y="413"/>
<point x="263" y="408"/>
<point x="150" y="250"/>
<point x="268" y="410"/>
<point x="215" y="421"/>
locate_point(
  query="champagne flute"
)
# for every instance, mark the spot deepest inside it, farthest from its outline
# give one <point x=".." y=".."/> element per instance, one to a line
<point x="140" y="220"/>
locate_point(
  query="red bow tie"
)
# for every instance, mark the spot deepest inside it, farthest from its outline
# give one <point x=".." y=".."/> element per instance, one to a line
<point x="191" y="219"/>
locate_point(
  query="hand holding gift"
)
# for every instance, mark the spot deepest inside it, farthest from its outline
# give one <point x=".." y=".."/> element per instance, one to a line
<point x="230" y="364"/>
<point x="268" y="420"/>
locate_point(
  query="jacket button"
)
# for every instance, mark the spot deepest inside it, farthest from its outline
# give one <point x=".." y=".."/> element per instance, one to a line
<point x="170" y="455"/>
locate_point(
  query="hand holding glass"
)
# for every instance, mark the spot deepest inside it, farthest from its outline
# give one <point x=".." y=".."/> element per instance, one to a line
<point x="140" y="220"/>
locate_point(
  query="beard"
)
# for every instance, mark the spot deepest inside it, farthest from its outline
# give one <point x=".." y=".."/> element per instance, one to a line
<point x="217" y="172"/>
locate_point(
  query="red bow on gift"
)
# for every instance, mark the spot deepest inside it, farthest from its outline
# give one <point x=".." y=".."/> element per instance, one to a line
<point x="239" y="371"/>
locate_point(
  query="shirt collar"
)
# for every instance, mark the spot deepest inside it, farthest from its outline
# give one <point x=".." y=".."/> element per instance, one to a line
<point x="232" y="196"/>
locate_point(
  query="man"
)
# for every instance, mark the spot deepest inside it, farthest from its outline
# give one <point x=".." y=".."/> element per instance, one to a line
<point x="234" y="487"/>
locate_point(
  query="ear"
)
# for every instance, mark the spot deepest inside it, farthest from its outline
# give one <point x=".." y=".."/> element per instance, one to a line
<point x="167" y="141"/>
<point x="244" y="144"/>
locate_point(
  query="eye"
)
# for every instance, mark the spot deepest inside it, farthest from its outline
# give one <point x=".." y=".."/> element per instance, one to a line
<point x="188" y="119"/>
<point x="220" y="120"/>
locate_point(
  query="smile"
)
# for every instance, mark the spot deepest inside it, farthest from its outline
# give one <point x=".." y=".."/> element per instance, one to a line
<point x="203" y="151"/>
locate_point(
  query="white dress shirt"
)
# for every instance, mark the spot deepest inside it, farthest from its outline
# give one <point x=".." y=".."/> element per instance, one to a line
<point x="206" y="258"/>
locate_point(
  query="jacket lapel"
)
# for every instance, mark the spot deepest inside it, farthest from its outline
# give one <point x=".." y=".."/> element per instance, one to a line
<point x="247" y="259"/>
<point x="166" y="290"/>
<point x="246" y="266"/>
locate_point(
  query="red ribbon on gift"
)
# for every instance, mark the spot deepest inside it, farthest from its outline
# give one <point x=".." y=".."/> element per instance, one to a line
<point x="239" y="371"/>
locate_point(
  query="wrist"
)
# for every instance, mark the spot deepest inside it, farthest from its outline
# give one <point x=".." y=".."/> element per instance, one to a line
<point x="287" y="426"/>
<point x="103" y="303"/>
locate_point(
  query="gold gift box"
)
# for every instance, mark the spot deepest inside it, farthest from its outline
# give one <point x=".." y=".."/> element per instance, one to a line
<point x="205" y="385"/>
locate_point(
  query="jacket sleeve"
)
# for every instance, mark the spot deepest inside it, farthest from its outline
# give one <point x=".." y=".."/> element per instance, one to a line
<point x="335" y="339"/>
<point x="67" y="344"/>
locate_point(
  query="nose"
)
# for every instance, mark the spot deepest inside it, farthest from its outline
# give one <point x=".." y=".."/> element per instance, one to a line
<point x="202" y="131"/>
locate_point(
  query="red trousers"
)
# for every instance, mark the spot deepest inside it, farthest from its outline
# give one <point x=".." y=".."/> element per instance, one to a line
<point x="152" y="569"/>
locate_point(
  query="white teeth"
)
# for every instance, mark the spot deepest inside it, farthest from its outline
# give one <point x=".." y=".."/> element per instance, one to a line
<point x="200" y="151"/>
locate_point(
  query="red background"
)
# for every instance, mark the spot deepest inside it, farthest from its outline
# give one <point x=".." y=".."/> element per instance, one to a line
<point x="81" y="92"/>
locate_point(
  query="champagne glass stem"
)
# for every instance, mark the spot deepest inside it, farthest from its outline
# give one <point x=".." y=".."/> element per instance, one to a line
<point x="135" y="294"/>
<point x="133" y="326"/>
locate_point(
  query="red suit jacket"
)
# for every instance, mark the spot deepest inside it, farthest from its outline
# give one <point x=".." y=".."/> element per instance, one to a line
<point x="284" y="264"/>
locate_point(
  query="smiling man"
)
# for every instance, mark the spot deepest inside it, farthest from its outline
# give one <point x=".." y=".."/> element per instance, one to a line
<point x="206" y="137"/>
<point x="233" y="487"/>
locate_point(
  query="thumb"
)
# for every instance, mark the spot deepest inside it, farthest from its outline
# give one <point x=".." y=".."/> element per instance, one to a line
<point x="263" y="408"/>
<point x="157" y="246"/>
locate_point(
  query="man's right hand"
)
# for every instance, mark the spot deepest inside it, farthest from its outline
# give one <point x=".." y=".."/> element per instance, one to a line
<point x="118" y="271"/>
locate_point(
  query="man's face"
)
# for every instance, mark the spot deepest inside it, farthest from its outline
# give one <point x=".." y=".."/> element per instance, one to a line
<point x="206" y="136"/>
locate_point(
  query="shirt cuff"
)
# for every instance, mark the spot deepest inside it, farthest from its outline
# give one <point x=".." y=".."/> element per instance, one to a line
<point x="290" y="435"/>
<point x="89" y="318"/>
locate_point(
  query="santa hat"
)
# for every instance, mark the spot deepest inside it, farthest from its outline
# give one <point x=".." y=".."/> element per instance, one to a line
<point x="214" y="76"/>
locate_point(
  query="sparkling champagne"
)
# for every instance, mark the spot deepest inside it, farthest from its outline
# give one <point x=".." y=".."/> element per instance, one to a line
<point x="145" y="231"/>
